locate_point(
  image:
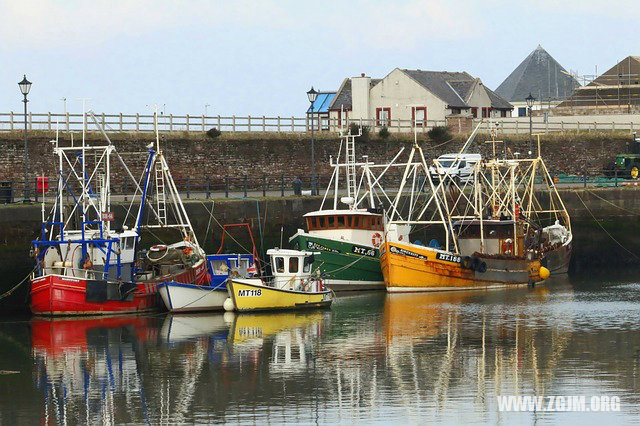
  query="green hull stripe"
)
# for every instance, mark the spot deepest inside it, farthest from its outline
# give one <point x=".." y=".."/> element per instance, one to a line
<point x="338" y="261"/>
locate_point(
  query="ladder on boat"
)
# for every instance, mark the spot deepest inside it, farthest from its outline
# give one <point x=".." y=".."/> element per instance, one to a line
<point x="351" y="166"/>
<point x="161" y="203"/>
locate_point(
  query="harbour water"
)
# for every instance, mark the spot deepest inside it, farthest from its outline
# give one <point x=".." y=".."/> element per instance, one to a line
<point x="371" y="358"/>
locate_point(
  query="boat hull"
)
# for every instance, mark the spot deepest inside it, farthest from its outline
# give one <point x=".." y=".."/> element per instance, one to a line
<point x="408" y="268"/>
<point x="178" y="297"/>
<point x="557" y="261"/>
<point x="249" y="296"/>
<point x="62" y="295"/>
<point x="343" y="268"/>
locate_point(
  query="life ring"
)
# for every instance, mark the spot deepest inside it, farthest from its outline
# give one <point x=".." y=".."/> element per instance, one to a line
<point x="507" y="246"/>
<point x="376" y="239"/>
<point x="158" y="247"/>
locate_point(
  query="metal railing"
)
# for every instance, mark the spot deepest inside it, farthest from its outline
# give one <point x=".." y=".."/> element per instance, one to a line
<point x="281" y="186"/>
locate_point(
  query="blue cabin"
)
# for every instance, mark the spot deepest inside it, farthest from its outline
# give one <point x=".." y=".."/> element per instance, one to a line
<point x="221" y="266"/>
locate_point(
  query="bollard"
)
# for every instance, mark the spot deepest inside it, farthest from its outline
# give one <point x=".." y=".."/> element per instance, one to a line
<point x="245" y="185"/>
<point x="282" y="186"/>
<point x="188" y="186"/>
<point x="208" y="187"/>
<point x="226" y="187"/>
<point x="264" y="186"/>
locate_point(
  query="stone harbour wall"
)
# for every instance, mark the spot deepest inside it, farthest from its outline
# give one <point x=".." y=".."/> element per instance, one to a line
<point x="289" y="155"/>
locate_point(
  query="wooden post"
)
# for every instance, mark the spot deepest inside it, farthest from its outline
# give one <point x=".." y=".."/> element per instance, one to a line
<point x="264" y="124"/>
<point x="103" y="122"/>
<point x="203" y="123"/>
<point x="613" y="126"/>
<point x="517" y="122"/>
<point x="49" y="121"/>
<point x="248" y="123"/>
<point x="68" y="122"/>
<point x="187" y="117"/>
<point x="293" y="126"/>
<point x="11" y="120"/>
<point x="120" y="122"/>
<point x="137" y="122"/>
<point x="30" y="121"/>
<point x="171" y="122"/>
<point x="219" y="126"/>
<point x="233" y="123"/>
<point x="278" y="124"/>
<point x="577" y="126"/>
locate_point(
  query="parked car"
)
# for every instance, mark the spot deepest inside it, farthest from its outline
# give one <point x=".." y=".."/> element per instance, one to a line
<point x="458" y="167"/>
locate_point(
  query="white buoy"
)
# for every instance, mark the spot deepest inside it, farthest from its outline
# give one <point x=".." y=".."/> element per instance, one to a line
<point x="228" y="305"/>
<point x="228" y="317"/>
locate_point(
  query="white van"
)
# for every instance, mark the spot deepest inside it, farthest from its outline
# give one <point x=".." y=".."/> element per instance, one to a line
<point x="456" y="166"/>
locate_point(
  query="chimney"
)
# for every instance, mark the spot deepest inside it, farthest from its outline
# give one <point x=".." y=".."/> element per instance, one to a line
<point x="360" y="103"/>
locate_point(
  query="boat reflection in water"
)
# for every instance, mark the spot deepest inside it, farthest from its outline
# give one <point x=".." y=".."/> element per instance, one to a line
<point x="85" y="365"/>
<point x="372" y="358"/>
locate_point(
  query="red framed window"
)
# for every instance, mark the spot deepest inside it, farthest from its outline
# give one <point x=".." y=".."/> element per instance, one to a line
<point x="419" y="116"/>
<point x="383" y="117"/>
<point x="474" y="112"/>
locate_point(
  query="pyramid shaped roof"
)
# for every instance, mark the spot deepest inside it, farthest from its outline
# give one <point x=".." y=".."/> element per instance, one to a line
<point x="540" y="75"/>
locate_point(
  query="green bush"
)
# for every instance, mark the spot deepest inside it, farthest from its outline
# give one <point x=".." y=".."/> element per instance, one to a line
<point x="439" y="134"/>
<point x="384" y="133"/>
<point x="354" y="128"/>
<point x="213" y="133"/>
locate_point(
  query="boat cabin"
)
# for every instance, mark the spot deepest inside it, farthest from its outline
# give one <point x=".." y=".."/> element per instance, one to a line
<point x="221" y="266"/>
<point x="291" y="268"/>
<point x="499" y="238"/>
<point x="357" y="226"/>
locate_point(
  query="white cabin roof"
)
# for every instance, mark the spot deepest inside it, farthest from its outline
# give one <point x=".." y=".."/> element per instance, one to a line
<point x="341" y="212"/>
<point x="288" y="252"/>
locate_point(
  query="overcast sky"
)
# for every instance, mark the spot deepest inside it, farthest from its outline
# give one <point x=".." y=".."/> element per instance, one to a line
<point x="260" y="57"/>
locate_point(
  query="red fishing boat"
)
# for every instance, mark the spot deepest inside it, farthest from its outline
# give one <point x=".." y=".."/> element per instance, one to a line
<point x="84" y="264"/>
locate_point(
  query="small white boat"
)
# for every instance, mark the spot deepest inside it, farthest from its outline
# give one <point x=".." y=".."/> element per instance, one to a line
<point x="179" y="297"/>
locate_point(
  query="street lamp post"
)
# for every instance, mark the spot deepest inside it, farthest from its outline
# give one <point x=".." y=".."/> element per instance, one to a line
<point x="25" y="86"/>
<point x="530" y="100"/>
<point x="312" y="95"/>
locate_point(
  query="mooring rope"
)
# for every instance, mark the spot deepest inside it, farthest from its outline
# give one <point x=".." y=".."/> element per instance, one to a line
<point x="605" y="231"/>
<point x="14" y="288"/>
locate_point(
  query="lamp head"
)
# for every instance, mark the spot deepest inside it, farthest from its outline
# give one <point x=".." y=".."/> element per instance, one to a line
<point x="312" y="95"/>
<point x="25" y="85"/>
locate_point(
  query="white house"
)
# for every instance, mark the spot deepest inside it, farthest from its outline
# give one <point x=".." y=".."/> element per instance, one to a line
<point x="407" y="98"/>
